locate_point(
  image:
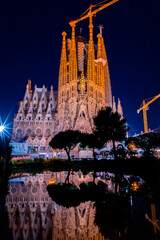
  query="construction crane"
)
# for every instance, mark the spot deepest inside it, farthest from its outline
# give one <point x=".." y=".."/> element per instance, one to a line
<point x="89" y="13"/>
<point x="144" y="107"/>
<point x="153" y="220"/>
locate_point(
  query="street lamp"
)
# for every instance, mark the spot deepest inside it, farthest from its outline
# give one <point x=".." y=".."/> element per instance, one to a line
<point x="1" y="128"/>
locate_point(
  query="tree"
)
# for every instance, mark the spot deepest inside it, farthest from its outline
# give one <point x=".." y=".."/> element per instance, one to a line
<point x="147" y="141"/>
<point x="110" y="126"/>
<point x="90" y="141"/>
<point x="65" y="140"/>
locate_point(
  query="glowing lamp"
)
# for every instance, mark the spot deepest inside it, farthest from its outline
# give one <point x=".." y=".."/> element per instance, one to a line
<point x="1" y="128"/>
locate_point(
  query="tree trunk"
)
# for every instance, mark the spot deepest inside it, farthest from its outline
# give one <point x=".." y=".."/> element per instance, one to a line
<point x="114" y="150"/>
<point x="67" y="178"/>
<point x="68" y="154"/>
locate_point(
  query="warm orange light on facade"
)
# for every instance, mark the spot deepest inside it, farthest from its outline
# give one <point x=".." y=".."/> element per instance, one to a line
<point x="51" y="181"/>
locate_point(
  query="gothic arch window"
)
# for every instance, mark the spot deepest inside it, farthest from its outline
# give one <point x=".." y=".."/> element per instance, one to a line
<point x="48" y="132"/>
<point x="28" y="132"/>
<point x="38" y="131"/>
<point x="39" y="118"/>
<point x="20" y="118"/>
<point x="19" y="134"/>
<point x="30" y="118"/>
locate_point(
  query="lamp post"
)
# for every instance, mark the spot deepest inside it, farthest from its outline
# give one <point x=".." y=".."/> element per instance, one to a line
<point x="5" y="149"/>
<point x="1" y="129"/>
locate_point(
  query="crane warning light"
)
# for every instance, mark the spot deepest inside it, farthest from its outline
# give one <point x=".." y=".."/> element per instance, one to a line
<point x="91" y="5"/>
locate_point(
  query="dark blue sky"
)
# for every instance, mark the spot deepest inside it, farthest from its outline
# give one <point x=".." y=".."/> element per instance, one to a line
<point x="30" y="47"/>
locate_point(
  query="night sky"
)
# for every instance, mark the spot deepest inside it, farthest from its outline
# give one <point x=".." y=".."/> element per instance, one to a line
<point x="30" y="47"/>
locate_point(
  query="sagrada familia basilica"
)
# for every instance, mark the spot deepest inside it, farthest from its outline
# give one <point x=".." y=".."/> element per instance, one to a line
<point x="83" y="89"/>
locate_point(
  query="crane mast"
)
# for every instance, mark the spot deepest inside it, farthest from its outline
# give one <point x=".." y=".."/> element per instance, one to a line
<point x="144" y="108"/>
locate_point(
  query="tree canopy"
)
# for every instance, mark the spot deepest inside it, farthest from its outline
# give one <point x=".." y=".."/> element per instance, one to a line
<point x="110" y="126"/>
<point x="147" y="142"/>
<point x="90" y="141"/>
<point x="65" y="140"/>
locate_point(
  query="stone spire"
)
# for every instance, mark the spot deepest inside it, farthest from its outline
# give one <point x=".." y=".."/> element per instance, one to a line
<point x="73" y="57"/>
<point x="27" y="96"/>
<point x="100" y="64"/>
<point x="63" y="62"/>
<point x="30" y="110"/>
<point x="52" y="99"/>
<point x="49" y="109"/>
<point x="39" y="112"/>
<point x="119" y="108"/>
<point x="99" y="50"/>
<point x="29" y="115"/>
<point x="35" y="97"/>
<point x="43" y="99"/>
<point x="20" y="114"/>
<point x="108" y="91"/>
<point x="39" y="108"/>
<point x="91" y="53"/>
<point x="114" y="105"/>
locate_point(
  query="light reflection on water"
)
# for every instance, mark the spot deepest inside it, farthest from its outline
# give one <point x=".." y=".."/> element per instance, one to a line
<point x="33" y="214"/>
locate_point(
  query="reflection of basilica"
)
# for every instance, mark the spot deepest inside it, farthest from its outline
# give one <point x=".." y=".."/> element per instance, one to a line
<point x="33" y="214"/>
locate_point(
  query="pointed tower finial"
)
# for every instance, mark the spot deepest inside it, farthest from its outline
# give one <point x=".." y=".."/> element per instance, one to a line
<point x="80" y="31"/>
<point x="99" y="50"/>
<point x="29" y="85"/>
<point x="114" y="105"/>
<point x="100" y="28"/>
<point x="119" y="108"/>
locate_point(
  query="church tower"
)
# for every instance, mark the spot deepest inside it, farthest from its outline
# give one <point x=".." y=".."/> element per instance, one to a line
<point x="84" y="82"/>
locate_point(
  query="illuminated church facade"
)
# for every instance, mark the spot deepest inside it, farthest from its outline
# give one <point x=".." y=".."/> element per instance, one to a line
<point x="83" y="89"/>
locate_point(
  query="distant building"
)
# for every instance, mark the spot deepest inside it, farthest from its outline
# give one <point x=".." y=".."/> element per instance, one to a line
<point x="83" y="89"/>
